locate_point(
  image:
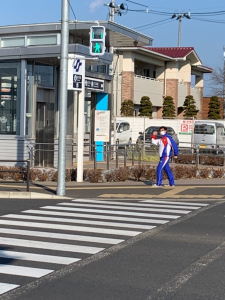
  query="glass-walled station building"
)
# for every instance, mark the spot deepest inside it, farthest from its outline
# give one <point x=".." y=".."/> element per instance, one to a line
<point x="29" y="87"/>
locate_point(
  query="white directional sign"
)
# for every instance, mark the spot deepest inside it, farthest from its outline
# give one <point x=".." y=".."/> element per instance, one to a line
<point x="75" y="68"/>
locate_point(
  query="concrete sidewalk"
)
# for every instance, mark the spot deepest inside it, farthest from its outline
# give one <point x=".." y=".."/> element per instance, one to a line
<point x="48" y="189"/>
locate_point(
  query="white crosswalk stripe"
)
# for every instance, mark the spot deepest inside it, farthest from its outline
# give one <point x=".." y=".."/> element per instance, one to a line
<point x="63" y="220"/>
<point x="148" y="204"/>
<point x="6" y="287"/>
<point x="111" y="212"/>
<point x="94" y="216"/>
<point x="129" y="208"/>
<point x="37" y="242"/>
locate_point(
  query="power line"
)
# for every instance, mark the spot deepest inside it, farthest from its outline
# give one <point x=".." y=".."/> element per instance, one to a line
<point x="155" y="25"/>
<point x="136" y="3"/>
<point x="211" y="21"/>
<point x="142" y="27"/>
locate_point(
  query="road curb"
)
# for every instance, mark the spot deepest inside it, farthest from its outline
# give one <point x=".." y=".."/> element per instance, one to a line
<point x="29" y="195"/>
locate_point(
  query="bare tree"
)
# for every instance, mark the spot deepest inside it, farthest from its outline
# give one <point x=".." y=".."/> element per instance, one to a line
<point x="217" y="81"/>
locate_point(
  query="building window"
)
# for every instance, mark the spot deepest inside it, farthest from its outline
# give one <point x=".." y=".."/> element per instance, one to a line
<point x="44" y="74"/>
<point x="10" y="98"/>
<point x="12" y="42"/>
<point x="41" y="40"/>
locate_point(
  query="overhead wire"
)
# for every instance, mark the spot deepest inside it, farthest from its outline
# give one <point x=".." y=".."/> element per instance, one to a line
<point x="142" y="27"/>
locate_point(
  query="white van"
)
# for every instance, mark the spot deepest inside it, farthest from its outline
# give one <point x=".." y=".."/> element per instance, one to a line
<point x="208" y="135"/>
<point x="123" y="132"/>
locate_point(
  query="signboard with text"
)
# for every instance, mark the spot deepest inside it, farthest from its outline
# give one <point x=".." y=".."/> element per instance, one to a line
<point x="186" y="126"/>
<point x="75" y="69"/>
<point x="102" y="125"/>
<point x="94" y="84"/>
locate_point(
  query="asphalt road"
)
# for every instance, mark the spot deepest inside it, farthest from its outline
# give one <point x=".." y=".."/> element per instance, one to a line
<point x="180" y="259"/>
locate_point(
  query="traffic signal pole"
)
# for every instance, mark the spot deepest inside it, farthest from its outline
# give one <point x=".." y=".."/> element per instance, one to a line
<point x="63" y="98"/>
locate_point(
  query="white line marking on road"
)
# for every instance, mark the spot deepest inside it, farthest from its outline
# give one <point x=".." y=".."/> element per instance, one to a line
<point x="169" y="288"/>
<point x="63" y="220"/>
<point x="23" y="271"/>
<point x="111" y="212"/>
<point x="5" y="287"/>
<point x="38" y="257"/>
<point x="173" y="202"/>
<point x="90" y="216"/>
<point x="136" y="204"/>
<point x="69" y="227"/>
<point x="62" y="236"/>
<point x="174" y="211"/>
<point x="49" y="246"/>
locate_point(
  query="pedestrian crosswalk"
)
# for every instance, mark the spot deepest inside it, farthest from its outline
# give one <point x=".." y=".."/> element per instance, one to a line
<point x="37" y="242"/>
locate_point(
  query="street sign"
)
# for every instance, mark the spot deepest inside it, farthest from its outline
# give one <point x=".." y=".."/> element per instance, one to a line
<point x="75" y="69"/>
<point x="94" y="84"/>
<point x="97" y="40"/>
<point x="102" y="125"/>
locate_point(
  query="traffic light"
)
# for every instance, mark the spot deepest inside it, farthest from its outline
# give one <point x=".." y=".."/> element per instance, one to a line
<point x="97" y="40"/>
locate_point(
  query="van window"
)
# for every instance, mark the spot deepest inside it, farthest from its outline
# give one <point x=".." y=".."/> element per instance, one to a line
<point x="126" y="126"/>
<point x="204" y="129"/>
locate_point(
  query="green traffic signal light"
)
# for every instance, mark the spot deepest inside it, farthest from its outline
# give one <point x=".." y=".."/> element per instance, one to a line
<point x="97" y="40"/>
<point x="97" y="47"/>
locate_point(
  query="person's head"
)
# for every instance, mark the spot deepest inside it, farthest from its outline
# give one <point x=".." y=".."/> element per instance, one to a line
<point x="162" y="130"/>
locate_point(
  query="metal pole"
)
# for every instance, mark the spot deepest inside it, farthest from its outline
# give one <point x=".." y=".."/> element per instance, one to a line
<point x="95" y="161"/>
<point x="80" y="127"/>
<point x="133" y="155"/>
<point x="117" y="149"/>
<point x="63" y="98"/>
<point x="107" y="156"/>
<point x="179" y="31"/>
<point x="28" y="175"/>
<point x="125" y="156"/>
<point x="112" y="11"/>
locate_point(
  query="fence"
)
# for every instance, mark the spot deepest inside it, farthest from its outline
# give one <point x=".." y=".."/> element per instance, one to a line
<point x="131" y="154"/>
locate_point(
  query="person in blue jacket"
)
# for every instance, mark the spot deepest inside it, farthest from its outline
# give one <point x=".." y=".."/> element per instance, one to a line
<point x="166" y="145"/>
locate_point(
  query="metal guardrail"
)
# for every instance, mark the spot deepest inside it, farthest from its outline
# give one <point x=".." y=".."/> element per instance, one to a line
<point x="19" y="171"/>
<point x="133" y="152"/>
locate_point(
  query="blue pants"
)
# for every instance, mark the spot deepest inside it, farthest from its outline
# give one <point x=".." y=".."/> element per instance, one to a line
<point x="164" y="165"/>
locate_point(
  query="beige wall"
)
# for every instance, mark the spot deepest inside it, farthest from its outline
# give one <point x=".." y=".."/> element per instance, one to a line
<point x="196" y="93"/>
<point x="172" y="70"/>
<point x="184" y="71"/>
<point x="151" y="88"/>
<point x="182" y="93"/>
<point x="128" y="62"/>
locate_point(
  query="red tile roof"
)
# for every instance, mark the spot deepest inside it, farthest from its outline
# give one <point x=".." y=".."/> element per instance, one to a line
<point x="174" y="52"/>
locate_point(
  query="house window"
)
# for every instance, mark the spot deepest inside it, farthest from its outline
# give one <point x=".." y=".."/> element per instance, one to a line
<point x="12" y="42"/>
<point x="44" y="74"/>
<point x="42" y="40"/>
<point x="10" y="98"/>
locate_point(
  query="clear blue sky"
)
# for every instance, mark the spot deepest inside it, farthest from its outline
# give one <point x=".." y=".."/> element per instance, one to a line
<point x="208" y="38"/>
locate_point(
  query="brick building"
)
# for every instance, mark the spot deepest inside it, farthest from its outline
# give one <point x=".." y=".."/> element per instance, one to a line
<point x="158" y="72"/>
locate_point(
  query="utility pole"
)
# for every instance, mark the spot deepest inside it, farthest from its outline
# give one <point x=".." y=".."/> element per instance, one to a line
<point x="179" y="31"/>
<point x="63" y="98"/>
<point x="179" y="17"/>
<point x="112" y="11"/>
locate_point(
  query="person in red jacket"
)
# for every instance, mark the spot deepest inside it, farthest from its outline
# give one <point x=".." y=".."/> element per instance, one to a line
<point x="166" y="146"/>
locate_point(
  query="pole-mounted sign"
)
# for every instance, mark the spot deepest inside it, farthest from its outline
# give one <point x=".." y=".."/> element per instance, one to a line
<point x="97" y="40"/>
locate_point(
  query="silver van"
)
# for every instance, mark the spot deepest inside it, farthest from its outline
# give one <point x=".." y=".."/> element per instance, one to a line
<point x="208" y="135"/>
